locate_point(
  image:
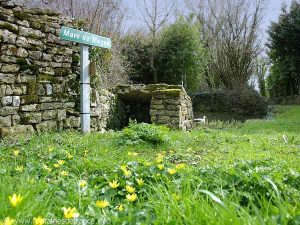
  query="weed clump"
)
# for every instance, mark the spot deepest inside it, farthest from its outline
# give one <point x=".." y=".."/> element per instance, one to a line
<point x="143" y="133"/>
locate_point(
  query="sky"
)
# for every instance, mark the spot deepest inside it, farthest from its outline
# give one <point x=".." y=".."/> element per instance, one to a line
<point x="272" y="14"/>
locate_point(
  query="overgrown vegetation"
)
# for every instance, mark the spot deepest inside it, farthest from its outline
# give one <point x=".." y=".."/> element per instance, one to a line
<point x="235" y="174"/>
<point x="284" y="52"/>
<point x="245" y="102"/>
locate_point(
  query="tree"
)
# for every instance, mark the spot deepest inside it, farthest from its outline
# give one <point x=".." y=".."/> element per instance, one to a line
<point x="230" y="31"/>
<point x="155" y="15"/>
<point x="261" y="68"/>
<point x="182" y="58"/>
<point x="284" y="53"/>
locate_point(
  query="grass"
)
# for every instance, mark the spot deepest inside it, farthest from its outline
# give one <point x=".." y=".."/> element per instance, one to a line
<point x="223" y="173"/>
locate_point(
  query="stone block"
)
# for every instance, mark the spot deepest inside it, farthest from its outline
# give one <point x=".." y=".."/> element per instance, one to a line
<point x="16" y="101"/>
<point x="49" y="115"/>
<point x="22" y="42"/>
<point x="7" y="100"/>
<point x="40" y="89"/>
<point x="2" y="90"/>
<point x="61" y="114"/>
<point x="8" y="37"/>
<point x="15" y="120"/>
<point x="31" y="118"/>
<point x="29" y="99"/>
<point x="17" y="131"/>
<point x="69" y="105"/>
<point x="96" y="112"/>
<point x="5" y="121"/>
<point x="49" y="89"/>
<point x="157" y="106"/>
<point x="17" y="89"/>
<point x="36" y="55"/>
<point x="163" y="119"/>
<point x="7" y="78"/>
<point x="29" y="108"/>
<point x="22" y="53"/>
<point x="47" y="106"/>
<point x="8" y="110"/>
<point x="32" y="33"/>
<point x="9" y="50"/>
<point x="10" y="68"/>
<point x="8" y="59"/>
<point x="72" y="122"/>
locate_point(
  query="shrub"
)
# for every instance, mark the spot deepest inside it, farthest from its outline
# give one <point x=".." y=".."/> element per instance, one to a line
<point x="246" y="102"/>
<point x="143" y="133"/>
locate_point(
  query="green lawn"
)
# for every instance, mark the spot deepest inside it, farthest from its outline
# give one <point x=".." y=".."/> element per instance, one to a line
<point x="219" y="174"/>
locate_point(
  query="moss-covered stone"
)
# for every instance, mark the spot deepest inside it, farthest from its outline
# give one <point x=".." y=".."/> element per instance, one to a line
<point x="22" y="15"/>
<point x="31" y="88"/>
<point x="62" y="72"/>
<point x="9" y="26"/>
<point x="29" y="99"/>
<point x="169" y="92"/>
<point x="46" y="78"/>
<point x="24" y="66"/>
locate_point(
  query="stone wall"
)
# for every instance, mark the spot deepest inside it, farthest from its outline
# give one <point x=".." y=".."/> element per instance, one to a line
<point x="172" y="107"/>
<point x="169" y="104"/>
<point x="39" y="74"/>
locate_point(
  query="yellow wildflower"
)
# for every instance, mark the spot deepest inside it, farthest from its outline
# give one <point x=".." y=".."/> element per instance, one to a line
<point x="131" y="197"/>
<point x="171" y="171"/>
<point x="82" y="183"/>
<point x="64" y="173"/>
<point x="121" y="207"/>
<point x="159" y="158"/>
<point x="140" y="181"/>
<point x="127" y="173"/>
<point x="86" y="152"/>
<point x="45" y="167"/>
<point x="158" y="174"/>
<point x="130" y="189"/>
<point x="132" y="153"/>
<point x="70" y="213"/>
<point x="56" y="165"/>
<point x="69" y="156"/>
<point x="20" y="168"/>
<point x="38" y="221"/>
<point x="15" y="200"/>
<point x="61" y="162"/>
<point x="147" y="163"/>
<point x="114" y="184"/>
<point x="102" y="204"/>
<point x="8" y="221"/>
<point x="160" y="166"/>
<point x="180" y="166"/>
<point x="16" y="153"/>
<point x="123" y="167"/>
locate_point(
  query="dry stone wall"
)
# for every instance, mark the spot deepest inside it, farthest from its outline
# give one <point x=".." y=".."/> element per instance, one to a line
<point x="169" y="105"/>
<point x="39" y="75"/>
<point x="172" y="107"/>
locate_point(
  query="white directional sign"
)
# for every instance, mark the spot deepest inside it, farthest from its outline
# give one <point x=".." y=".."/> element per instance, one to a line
<point x="85" y="39"/>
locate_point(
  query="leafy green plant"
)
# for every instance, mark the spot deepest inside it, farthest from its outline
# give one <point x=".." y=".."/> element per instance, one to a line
<point x="143" y="133"/>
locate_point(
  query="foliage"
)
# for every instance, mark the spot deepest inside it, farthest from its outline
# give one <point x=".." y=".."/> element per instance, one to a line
<point x="182" y="57"/>
<point x="179" y="56"/>
<point x="111" y="66"/>
<point x="234" y="175"/>
<point x="230" y="31"/>
<point x="261" y="68"/>
<point x="284" y="52"/>
<point x="143" y="133"/>
<point x="136" y="49"/>
<point x="245" y="102"/>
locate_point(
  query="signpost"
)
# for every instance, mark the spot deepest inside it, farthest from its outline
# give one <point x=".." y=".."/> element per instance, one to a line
<point x="85" y="39"/>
